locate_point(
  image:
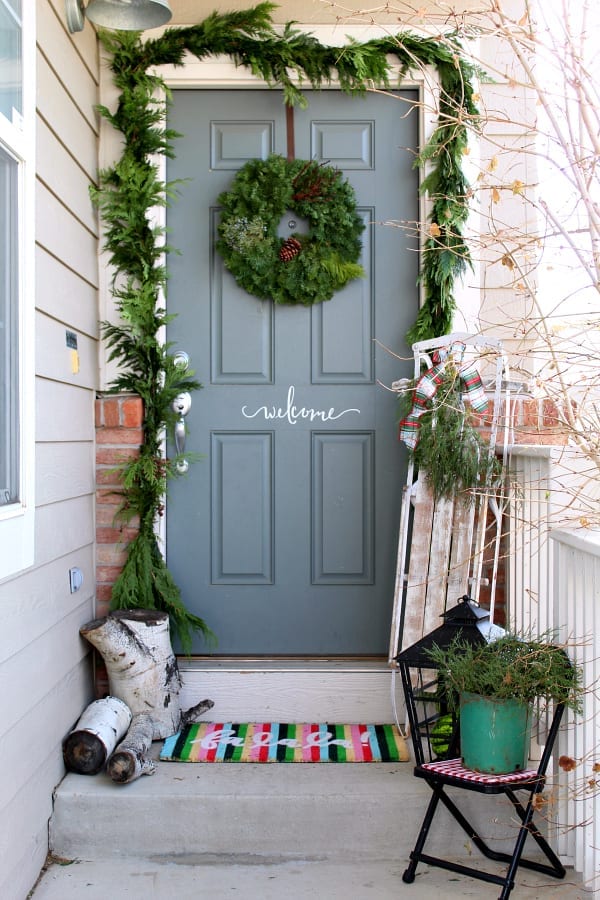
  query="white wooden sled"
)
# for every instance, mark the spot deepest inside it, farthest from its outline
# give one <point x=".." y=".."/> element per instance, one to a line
<point x="447" y="538"/>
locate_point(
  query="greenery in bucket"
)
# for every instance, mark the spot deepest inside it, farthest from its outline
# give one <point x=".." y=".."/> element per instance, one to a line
<point x="510" y="668"/>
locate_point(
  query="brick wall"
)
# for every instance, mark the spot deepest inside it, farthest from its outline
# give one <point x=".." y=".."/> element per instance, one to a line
<point x="488" y="568"/>
<point x="532" y="422"/>
<point x="119" y="420"/>
<point x="118" y="437"/>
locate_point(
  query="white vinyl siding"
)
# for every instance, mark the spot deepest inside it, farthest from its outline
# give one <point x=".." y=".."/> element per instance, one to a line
<point x="44" y="664"/>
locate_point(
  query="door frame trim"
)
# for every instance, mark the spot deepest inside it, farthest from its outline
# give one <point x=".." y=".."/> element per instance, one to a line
<point x="372" y="687"/>
<point x="217" y="73"/>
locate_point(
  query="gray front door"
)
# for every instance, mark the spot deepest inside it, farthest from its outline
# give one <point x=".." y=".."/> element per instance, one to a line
<point x="283" y="537"/>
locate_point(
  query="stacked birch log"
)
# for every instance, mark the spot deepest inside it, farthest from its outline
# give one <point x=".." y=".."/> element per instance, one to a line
<point x="144" y="684"/>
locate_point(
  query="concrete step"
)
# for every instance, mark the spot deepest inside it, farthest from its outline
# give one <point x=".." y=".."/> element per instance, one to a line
<point x="198" y="812"/>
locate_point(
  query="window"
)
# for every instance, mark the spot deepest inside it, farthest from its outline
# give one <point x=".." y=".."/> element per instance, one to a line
<point x="17" y="184"/>
<point x="9" y="334"/>
<point x="11" y="87"/>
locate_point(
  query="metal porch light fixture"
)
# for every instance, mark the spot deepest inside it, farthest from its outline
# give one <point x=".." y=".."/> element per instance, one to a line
<point x="119" y="15"/>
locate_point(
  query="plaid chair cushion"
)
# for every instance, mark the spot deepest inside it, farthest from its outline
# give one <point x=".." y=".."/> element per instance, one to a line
<point x="455" y="769"/>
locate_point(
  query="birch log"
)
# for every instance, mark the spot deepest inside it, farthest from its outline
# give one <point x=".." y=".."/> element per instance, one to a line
<point x="95" y="736"/>
<point x="141" y="666"/>
<point x="130" y="759"/>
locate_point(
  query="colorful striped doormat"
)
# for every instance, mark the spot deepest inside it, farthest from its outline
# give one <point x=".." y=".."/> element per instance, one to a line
<point x="273" y="742"/>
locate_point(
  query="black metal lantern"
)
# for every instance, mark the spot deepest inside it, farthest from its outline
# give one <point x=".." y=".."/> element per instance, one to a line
<point x="432" y="726"/>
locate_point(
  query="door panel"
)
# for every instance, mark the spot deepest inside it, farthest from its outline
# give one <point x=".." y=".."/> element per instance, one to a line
<point x="342" y="508"/>
<point x="349" y="360"/>
<point x="284" y="536"/>
<point x="242" y="493"/>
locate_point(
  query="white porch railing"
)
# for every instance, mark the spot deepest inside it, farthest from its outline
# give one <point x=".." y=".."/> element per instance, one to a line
<point x="554" y="583"/>
<point x="576" y="593"/>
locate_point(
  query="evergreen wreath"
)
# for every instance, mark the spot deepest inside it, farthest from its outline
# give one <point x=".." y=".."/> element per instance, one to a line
<point x="302" y="268"/>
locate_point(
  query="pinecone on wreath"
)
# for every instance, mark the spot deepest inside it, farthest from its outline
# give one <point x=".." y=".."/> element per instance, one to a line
<point x="289" y="249"/>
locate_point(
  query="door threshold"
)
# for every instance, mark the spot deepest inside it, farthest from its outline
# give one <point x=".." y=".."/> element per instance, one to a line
<point x="317" y="689"/>
<point x="282" y="663"/>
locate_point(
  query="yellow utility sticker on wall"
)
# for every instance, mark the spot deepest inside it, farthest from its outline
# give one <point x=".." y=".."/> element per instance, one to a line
<point x="72" y="346"/>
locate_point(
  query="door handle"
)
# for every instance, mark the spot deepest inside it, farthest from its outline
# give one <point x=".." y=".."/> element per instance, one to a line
<point x="181" y="406"/>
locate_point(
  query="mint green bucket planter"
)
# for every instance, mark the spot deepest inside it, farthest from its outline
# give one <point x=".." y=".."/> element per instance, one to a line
<point x="494" y="734"/>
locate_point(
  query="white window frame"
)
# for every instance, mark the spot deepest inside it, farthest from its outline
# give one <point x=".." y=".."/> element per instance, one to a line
<point x="17" y="138"/>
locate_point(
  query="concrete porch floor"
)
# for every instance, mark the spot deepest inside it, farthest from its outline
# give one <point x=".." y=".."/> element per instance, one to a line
<point x="288" y="831"/>
<point x="277" y="879"/>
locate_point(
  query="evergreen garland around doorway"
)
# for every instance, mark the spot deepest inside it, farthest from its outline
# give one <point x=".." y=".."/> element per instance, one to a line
<point x="128" y="191"/>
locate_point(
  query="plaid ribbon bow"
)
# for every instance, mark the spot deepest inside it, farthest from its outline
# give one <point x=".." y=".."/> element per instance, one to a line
<point x="472" y="392"/>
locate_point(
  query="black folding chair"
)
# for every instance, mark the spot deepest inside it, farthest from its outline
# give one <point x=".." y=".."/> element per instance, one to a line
<point x="441" y="774"/>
